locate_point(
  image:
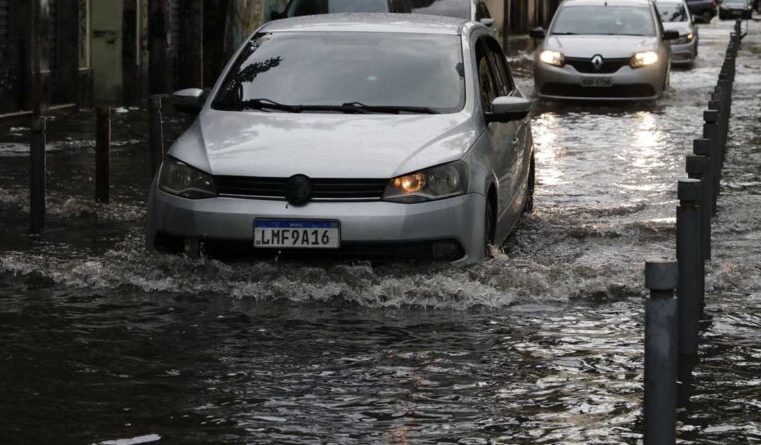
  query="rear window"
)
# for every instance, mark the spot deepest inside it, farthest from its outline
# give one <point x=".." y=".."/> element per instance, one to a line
<point x="450" y="8"/>
<point x="313" y="7"/>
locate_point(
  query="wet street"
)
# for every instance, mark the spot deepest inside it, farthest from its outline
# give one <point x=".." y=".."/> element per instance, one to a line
<point x="101" y="340"/>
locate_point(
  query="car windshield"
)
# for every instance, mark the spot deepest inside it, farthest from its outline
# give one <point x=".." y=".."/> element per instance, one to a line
<point x="359" y="71"/>
<point x="604" y="20"/>
<point x="672" y="12"/>
<point x="735" y="2"/>
<point x="312" y="7"/>
<point x="449" y="8"/>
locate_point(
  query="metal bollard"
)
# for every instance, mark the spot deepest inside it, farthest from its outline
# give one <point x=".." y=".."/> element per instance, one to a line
<point x="156" y="137"/>
<point x="712" y="131"/>
<point x="689" y="253"/>
<point x="37" y="173"/>
<point x="102" y="154"/>
<point x="698" y="168"/>
<point x="704" y="147"/>
<point x="661" y="353"/>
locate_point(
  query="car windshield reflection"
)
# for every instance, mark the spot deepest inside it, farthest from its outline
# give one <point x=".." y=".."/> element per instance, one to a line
<point x="609" y="20"/>
<point x="346" y="72"/>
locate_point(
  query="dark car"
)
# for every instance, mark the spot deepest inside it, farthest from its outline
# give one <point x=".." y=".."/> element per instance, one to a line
<point x="702" y="10"/>
<point x="474" y="10"/>
<point x="735" y="9"/>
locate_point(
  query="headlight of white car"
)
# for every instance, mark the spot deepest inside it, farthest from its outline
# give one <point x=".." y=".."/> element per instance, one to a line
<point x="438" y="182"/>
<point x="646" y="58"/>
<point x="180" y="179"/>
<point x="552" y="57"/>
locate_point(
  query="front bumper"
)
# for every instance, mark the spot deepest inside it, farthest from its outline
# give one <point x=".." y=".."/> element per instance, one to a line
<point x="376" y="222"/>
<point x="564" y="83"/>
<point x="684" y="53"/>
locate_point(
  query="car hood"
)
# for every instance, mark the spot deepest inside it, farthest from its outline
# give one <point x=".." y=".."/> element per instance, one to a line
<point x="683" y="27"/>
<point x="608" y="47"/>
<point x="322" y="145"/>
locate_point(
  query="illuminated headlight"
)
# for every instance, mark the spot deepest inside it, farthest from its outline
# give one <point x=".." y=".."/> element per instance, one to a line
<point x="433" y="183"/>
<point x="685" y="39"/>
<point x="552" y="57"/>
<point x="180" y="179"/>
<point x="646" y="58"/>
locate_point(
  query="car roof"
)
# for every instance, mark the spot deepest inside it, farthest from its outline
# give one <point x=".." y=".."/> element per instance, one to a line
<point x="607" y="2"/>
<point x="369" y="22"/>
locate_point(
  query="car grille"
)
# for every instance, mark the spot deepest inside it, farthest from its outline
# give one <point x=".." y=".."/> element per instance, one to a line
<point x="625" y="91"/>
<point x="322" y="189"/>
<point x="608" y="66"/>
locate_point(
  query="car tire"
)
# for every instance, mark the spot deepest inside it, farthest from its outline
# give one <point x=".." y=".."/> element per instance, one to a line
<point x="528" y="207"/>
<point x="489" y="217"/>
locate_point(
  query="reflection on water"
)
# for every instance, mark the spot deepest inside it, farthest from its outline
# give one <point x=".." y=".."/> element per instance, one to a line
<point x="100" y="341"/>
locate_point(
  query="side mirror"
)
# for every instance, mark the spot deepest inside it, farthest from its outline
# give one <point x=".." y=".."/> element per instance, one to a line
<point x="488" y="22"/>
<point x="508" y="108"/>
<point x="537" y="33"/>
<point x="670" y="34"/>
<point x="189" y="101"/>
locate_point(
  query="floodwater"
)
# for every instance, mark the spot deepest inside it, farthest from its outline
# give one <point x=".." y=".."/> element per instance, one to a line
<point x="103" y="342"/>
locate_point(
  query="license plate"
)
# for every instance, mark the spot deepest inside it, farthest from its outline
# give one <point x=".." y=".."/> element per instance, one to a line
<point x="596" y="81"/>
<point x="297" y="234"/>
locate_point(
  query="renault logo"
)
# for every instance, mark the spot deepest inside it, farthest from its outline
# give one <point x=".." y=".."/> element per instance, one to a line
<point x="298" y="190"/>
<point x="597" y="62"/>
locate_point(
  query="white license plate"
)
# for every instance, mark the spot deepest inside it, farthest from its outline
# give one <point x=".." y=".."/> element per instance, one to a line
<point x="596" y="81"/>
<point x="297" y="234"/>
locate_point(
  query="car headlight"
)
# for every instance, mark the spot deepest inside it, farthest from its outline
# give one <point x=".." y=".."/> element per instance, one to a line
<point x="180" y="179"/>
<point x="552" y="57"/>
<point x="687" y="38"/>
<point x="646" y="58"/>
<point x="438" y="182"/>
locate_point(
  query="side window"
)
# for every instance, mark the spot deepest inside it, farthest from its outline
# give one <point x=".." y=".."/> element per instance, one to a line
<point x="487" y="86"/>
<point x="501" y="71"/>
<point x="482" y="12"/>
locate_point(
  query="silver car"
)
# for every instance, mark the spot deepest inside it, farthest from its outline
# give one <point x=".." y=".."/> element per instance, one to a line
<point x="350" y="133"/>
<point x="475" y="10"/>
<point x="603" y="50"/>
<point x="676" y="17"/>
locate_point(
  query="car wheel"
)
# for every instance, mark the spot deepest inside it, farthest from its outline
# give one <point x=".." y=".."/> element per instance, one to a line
<point x="488" y="227"/>
<point x="528" y="207"/>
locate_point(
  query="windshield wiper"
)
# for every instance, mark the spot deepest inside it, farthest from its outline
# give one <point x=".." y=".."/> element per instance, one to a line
<point x="347" y="107"/>
<point x="257" y="104"/>
<point x="390" y="108"/>
<point x="565" y="34"/>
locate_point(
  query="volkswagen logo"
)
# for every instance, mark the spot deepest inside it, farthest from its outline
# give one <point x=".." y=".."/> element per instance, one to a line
<point x="298" y="190"/>
<point x="597" y="62"/>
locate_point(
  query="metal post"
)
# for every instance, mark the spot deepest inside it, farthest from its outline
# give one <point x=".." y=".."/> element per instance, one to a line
<point x="661" y="353"/>
<point x="698" y="168"/>
<point x="156" y="136"/>
<point x="702" y="147"/>
<point x="37" y="173"/>
<point x="691" y="267"/>
<point x="712" y="130"/>
<point x="102" y="154"/>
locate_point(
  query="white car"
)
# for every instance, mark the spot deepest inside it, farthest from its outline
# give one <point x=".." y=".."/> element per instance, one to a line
<point x="676" y="16"/>
<point x="352" y="134"/>
<point x="603" y="50"/>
